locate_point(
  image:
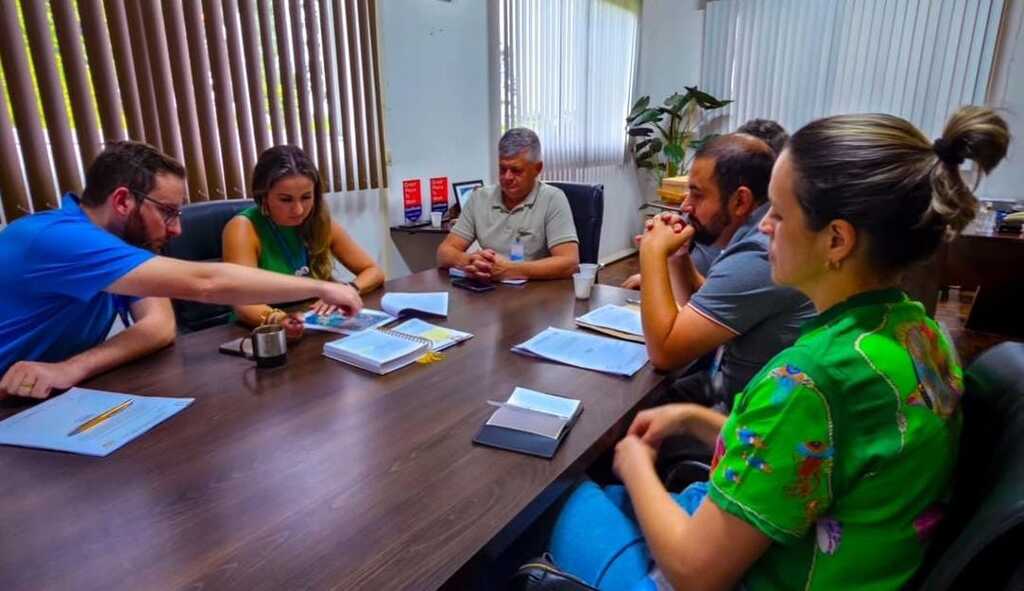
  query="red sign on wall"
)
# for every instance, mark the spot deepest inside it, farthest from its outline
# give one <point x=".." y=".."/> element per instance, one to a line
<point x="439" y="194"/>
<point x="412" y="197"/>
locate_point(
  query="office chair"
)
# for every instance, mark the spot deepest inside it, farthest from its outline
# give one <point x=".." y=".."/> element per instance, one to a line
<point x="978" y="545"/>
<point x="587" y="205"/>
<point x="200" y="240"/>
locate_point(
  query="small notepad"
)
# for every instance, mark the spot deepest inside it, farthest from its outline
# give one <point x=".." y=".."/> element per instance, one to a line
<point x="618" y="321"/>
<point x="530" y="422"/>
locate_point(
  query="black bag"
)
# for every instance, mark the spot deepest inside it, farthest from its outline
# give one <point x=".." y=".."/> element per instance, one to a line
<point x="541" y="574"/>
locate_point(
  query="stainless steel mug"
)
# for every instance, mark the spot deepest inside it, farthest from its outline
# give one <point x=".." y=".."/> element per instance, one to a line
<point x="269" y="346"/>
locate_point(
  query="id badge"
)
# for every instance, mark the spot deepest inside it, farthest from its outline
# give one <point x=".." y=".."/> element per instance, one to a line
<point x="518" y="252"/>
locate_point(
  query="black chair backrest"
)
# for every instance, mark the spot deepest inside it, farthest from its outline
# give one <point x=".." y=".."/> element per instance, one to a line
<point x="984" y="530"/>
<point x="200" y="240"/>
<point x="587" y="204"/>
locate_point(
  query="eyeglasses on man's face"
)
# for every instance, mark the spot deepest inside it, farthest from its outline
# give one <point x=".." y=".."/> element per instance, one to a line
<point x="169" y="213"/>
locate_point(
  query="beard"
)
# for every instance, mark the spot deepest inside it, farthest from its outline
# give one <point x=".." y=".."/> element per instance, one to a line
<point x="707" y="234"/>
<point x="136" y="235"/>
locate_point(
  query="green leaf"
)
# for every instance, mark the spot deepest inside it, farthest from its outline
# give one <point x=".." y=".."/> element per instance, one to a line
<point x="656" y="144"/>
<point x="640" y="131"/>
<point x="705" y="100"/>
<point x="674" y="153"/>
<point x="638" y="107"/>
<point x="648" y="116"/>
<point x="677" y="102"/>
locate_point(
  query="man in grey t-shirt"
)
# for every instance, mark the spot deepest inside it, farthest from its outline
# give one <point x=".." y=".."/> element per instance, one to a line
<point x="734" y="307"/>
<point x="524" y="227"/>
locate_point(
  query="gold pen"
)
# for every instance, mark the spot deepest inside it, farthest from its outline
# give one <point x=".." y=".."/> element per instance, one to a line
<point x="96" y="420"/>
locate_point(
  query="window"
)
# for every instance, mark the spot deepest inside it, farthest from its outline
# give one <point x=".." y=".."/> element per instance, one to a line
<point x="798" y="60"/>
<point x="210" y="83"/>
<point x="567" y="72"/>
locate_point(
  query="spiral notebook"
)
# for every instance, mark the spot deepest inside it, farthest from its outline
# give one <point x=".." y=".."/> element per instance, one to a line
<point x="377" y="350"/>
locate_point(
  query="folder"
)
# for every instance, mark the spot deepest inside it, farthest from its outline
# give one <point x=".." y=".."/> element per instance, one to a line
<point x="530" y="422"/>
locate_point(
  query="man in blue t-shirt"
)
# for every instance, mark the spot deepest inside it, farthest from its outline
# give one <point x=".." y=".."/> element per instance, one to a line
<point x="65" y="275"/>
<point x="734" y="307"/>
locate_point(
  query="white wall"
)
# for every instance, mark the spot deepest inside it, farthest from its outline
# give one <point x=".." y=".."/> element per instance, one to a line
<point x="1007" y="93"/>
<point x="435" y="68"/>
<point x="671" y="38"/>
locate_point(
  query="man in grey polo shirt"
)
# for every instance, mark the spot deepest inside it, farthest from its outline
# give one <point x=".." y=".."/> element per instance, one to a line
<point x="735" y="308"/>
<point x="524" y="227"/>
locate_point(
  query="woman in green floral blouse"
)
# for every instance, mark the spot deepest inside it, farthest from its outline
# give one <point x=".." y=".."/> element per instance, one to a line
<point x="831" y="470"/>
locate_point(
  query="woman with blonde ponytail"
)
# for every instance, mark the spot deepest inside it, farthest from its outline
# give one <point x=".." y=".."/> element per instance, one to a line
<point x="289" y="230"/>
<point x="832" y="468"/>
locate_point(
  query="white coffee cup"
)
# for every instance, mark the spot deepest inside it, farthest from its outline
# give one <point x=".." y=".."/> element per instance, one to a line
<point x="582" y="284"/>
<point x="589" y="269"/>
<point x="435" y="218"/>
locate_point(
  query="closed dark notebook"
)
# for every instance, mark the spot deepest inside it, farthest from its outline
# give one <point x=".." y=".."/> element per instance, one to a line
<point x="521" y="441"/>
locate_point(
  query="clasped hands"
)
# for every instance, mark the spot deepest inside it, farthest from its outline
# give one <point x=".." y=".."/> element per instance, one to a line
<point x="488" y="265"/>
<point x="667" y="233"/>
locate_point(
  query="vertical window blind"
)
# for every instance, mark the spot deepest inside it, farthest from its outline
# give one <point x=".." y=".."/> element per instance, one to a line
<point x="567" y="71"/>
<point x="798" y="60"/>
<point x="210" y="82"/>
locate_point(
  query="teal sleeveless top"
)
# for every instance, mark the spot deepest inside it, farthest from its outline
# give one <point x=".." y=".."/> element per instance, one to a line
<point x="281" y="248"/>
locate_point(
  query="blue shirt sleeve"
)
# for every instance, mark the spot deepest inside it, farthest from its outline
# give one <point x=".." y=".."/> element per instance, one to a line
<point x="78" y="259"/>
<point x="738" y="292"/>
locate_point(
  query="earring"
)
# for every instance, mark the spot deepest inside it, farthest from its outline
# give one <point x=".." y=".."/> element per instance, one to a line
<point x="834" y="265"/>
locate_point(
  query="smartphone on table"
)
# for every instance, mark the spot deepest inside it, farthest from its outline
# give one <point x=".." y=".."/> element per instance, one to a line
<point x="472" y="284"/>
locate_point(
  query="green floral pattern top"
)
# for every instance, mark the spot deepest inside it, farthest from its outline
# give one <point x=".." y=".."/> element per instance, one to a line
<point x="841" y="449"/>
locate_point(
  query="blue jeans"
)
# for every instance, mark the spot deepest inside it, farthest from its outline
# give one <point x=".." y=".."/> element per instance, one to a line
<point x="597" y="538"/>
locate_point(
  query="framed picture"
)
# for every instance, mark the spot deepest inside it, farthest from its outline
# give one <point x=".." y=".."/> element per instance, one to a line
<point x="463" y="190"/>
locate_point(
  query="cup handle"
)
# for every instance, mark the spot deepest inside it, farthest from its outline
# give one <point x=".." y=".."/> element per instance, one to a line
<point x="251" y="339"/>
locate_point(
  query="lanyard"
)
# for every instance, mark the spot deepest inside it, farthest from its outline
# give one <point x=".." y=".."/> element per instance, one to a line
<point x="299" y="263"/>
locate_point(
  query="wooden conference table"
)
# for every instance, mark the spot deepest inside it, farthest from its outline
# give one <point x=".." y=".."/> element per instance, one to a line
<point x="315" y="475"/>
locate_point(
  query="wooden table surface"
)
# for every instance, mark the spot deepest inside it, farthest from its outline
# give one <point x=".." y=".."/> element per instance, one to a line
<point x="315" y="475"/>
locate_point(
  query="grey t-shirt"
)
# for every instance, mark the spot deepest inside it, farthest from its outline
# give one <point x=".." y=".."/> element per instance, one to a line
<point x="542" y="221"/>
<point x="738" y="294"/>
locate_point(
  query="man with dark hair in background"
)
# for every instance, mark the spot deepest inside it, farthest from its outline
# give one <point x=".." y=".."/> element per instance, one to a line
<point x="66" y="274"/>
<point x="767" y="130"/>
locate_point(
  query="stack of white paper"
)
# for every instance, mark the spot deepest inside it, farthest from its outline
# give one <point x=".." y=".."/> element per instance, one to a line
<point x="586" y="351"/>
<point x="619" y="321"/>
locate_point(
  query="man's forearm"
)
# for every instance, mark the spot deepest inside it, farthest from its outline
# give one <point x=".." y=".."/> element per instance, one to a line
<point x="657" y="301"/>
<point x="138" y="340"/>
<point x="552" y="267"/>
<point x="449" y="256"/>
<point x="684" y="277"/>
<point x="226" y="283"/>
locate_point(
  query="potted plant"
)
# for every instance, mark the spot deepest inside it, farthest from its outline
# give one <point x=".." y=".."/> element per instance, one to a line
<point x="662" y="136"/>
